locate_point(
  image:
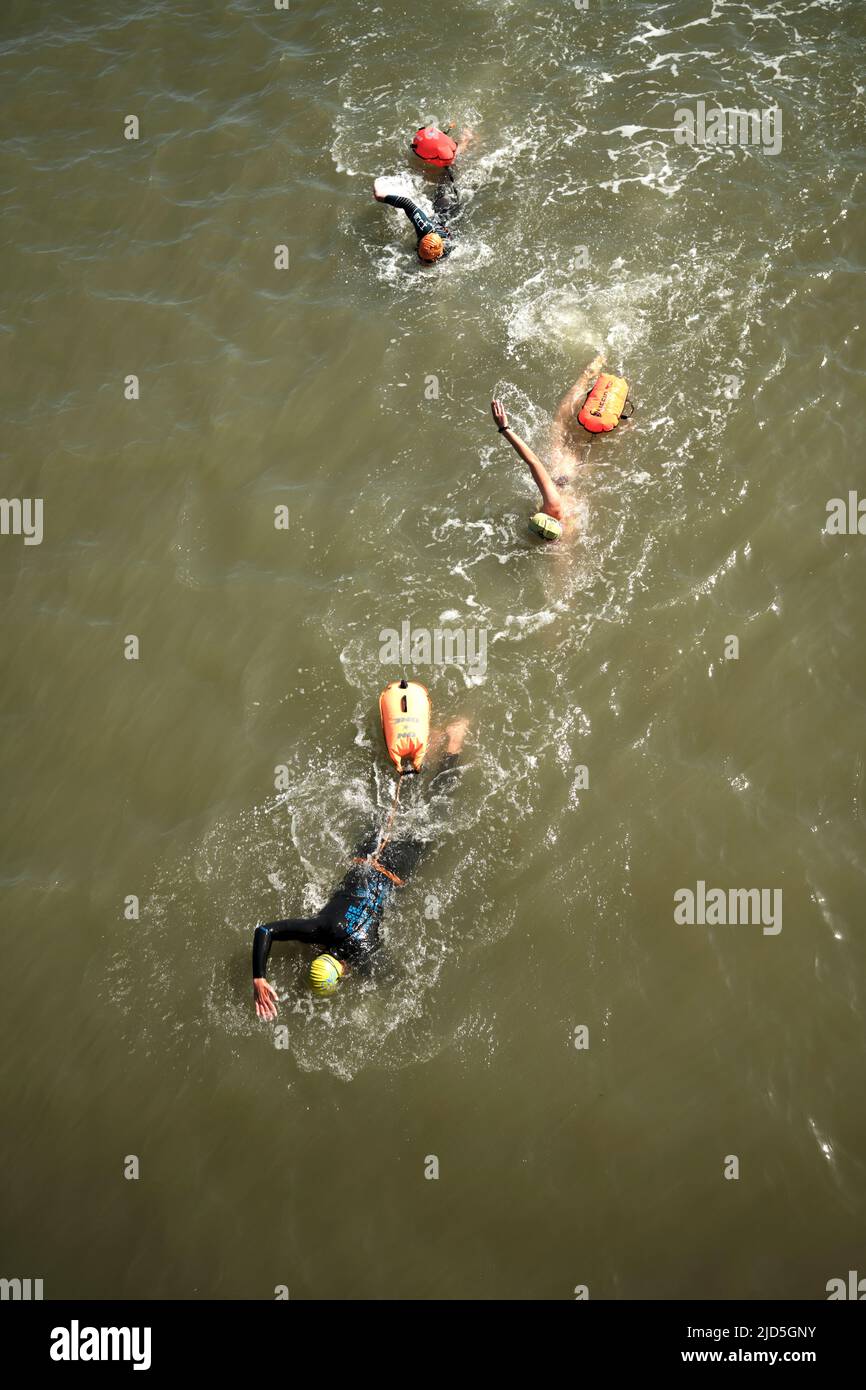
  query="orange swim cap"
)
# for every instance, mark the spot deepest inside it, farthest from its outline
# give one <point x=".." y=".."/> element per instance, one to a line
<point x="431" y="247"/>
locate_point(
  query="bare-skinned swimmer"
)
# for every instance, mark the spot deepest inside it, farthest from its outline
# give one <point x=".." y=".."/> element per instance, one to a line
<point x="557" y="500"/>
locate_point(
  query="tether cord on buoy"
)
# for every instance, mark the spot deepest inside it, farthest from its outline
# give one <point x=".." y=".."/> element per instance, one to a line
<point x="372" y="859"/>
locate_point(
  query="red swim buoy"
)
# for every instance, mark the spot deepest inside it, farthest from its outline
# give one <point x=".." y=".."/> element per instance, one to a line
<point x="434" y="146"/>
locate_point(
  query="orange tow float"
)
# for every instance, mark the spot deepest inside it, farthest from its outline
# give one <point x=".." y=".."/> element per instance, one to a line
<point x="405" y="710"/>
<point x="404" y="707"/>
<point x="603" y="407"/>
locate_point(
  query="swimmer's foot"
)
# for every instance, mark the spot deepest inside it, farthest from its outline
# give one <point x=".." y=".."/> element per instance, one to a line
<point x="596" y="364"/>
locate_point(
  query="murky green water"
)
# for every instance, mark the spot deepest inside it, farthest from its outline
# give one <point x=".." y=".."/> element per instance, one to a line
<point x="726" y="284"/>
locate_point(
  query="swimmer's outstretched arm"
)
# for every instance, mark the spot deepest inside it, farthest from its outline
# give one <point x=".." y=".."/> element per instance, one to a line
<point x="309" y="929"/>
<point x="444" y="775"/>
<point x="589" y="373"/>
<point x="466" y="138"/>
<point x="419" y="219"/>
<point x="455" y="735"/>
<point x="570" y="399"/>
<point x="551" y="500"/>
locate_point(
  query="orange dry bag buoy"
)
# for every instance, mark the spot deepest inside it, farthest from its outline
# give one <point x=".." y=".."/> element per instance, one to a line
<point x="604" y="405"/>
<point x="434" y="146"/>
<point x="405" y="710"/>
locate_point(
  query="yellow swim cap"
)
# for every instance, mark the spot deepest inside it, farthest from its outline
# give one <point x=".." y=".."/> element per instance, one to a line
<point x="431" y="247"/>
<point x="547" y="527"/>
<point x="325" y="974"/>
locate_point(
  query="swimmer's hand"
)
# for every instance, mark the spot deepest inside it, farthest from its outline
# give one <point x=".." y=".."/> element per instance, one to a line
<point x="385" y="185"/>
<point x="499" y="416"/>
<point x="266" y="1000"/>
<point x="589" y="373"/>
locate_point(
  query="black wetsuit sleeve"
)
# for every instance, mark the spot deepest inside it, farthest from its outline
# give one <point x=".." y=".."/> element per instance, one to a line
<point x="419" y="219"/>
<point x="313" y="930"/>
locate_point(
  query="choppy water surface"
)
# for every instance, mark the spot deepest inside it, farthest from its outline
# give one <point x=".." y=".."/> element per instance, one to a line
<point x="548" y="905"/>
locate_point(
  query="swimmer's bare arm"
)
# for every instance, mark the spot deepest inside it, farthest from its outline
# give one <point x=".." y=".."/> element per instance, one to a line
<point x="551" y="500"/>
<point x="448" y="742"/>
<point x="466" y="138"/>
<point x="570" y="399"/>
<point x="455" y="733"/>
<point x="444" y="775"/>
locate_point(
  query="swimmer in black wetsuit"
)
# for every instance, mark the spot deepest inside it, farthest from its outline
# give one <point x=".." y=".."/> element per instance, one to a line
<point x="435" y="234"/>
<point x="348" y="925"/>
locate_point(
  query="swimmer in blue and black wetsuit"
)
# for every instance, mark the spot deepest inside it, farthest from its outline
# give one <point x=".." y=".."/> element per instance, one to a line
<point x="348" y="925"/>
